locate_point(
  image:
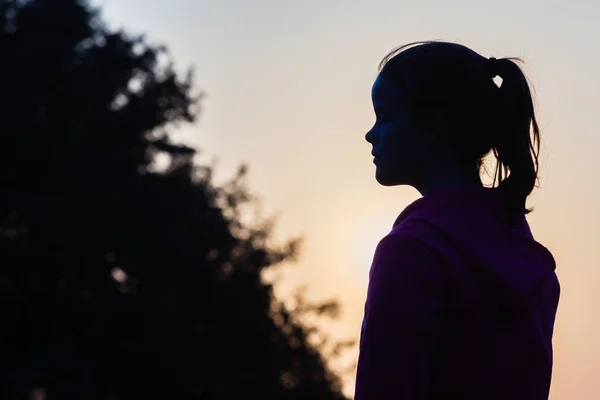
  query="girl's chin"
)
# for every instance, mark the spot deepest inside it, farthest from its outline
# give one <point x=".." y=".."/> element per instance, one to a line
<point x="386" y="179"/>
<point x="383" y="179"/>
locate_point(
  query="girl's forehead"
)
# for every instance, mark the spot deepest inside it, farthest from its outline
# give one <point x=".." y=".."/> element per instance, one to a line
<point x="383" y="90"/>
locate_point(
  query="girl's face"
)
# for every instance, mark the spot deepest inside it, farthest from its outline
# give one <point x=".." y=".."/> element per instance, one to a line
<point x="398" y="147"/>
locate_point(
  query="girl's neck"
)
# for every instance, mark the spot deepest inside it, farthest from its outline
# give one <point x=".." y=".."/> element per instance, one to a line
<point x="445" y="177"/>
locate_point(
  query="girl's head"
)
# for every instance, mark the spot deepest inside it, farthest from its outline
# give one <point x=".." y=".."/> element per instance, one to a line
<point x="439" y="112"/>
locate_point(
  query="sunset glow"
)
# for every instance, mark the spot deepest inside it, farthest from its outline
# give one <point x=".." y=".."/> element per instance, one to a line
<point x="287" y="89"/>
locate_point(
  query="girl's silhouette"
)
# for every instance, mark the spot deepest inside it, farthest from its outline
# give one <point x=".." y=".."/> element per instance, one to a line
<point x="461" y="300"/>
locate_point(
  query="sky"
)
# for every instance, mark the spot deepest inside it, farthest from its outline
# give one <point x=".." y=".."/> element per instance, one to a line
<point x="286" y="89"/>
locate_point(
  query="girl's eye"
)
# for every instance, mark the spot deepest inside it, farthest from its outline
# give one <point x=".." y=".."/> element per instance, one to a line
<point x="380" y="114"/>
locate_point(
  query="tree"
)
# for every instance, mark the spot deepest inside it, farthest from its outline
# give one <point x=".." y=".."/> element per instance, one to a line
<point x="121" y="278"/>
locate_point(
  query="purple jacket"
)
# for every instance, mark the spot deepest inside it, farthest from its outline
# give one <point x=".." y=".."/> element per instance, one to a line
<point x="460" y="305"/>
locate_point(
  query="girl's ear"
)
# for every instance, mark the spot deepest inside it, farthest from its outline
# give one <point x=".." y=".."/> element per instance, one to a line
<point x="433" y="129"/>
<point x="438" y="135"/>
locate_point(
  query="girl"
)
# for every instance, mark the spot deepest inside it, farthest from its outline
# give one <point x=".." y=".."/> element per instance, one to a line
<point x="461" y="300"/>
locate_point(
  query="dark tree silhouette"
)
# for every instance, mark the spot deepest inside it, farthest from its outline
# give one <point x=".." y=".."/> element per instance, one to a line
<point x="121" y="278"/>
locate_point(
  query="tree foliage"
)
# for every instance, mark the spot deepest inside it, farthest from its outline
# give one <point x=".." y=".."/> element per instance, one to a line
<point x="121" y="278"/>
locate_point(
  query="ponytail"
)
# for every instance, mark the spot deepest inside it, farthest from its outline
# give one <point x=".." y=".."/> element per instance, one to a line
<point x="517" y="138"/>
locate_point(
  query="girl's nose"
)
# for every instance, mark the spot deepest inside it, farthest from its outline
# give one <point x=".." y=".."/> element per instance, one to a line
<point x="370" y="137"/>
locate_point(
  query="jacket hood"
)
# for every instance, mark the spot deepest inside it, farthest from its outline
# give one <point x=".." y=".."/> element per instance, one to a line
<point x="505" y="255"/>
